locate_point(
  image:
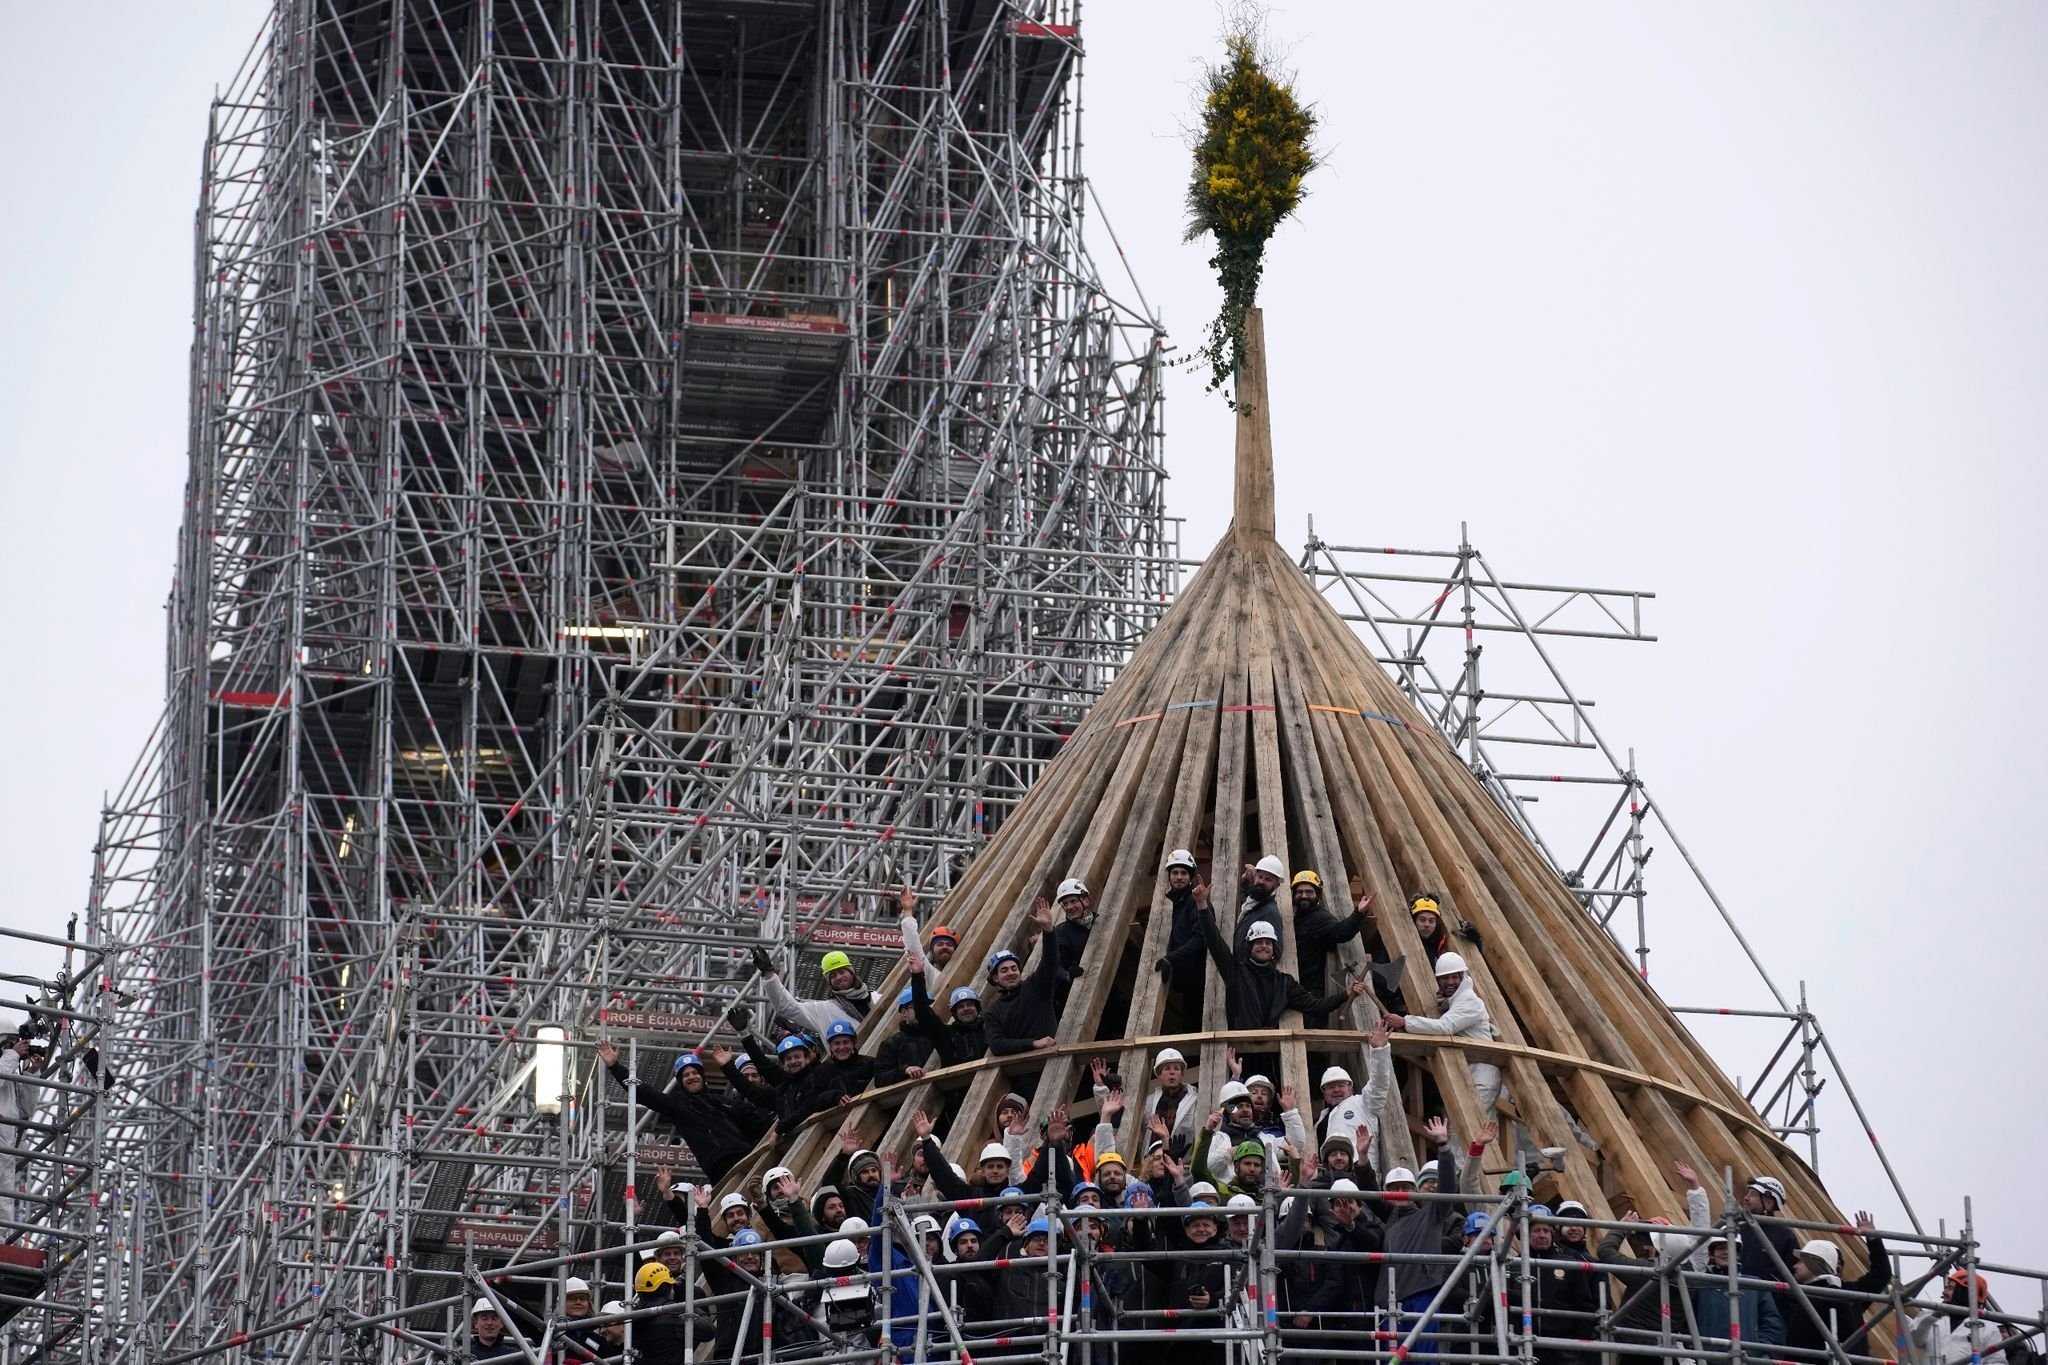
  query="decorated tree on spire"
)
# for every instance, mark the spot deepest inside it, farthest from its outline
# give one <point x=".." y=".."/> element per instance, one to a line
<point x="1252" y="152"/>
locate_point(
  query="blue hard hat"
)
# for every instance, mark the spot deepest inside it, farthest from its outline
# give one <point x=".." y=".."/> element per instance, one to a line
<point x="1011" y="1194"/>
<point x="961" y="993"/>
<point x="742" y="1062"/>
<point x="689" y="1059"/>
<point x="746" y="1237"/>
<point x="999" y="957"/>
<point x="961" y="1225"/>
<point x="838" y="1028"/>
<point x="903" y="998"/>
<point x="1539" y="1210"/>
<point x="1037" y="1227"/>
<point x="1075" y="1193"/>
<point x="794" y="1042"/>
<point x="1475" y="1223"/>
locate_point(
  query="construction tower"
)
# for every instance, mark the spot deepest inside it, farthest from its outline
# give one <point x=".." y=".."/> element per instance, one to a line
<point x="707" y="413"/>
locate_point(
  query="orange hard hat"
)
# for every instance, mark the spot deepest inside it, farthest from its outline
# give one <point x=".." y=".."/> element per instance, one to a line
<point x="1960" y="1278"/>
<point x="941" y="931"/>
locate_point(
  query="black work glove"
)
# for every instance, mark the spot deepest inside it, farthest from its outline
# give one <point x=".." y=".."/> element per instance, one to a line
<point x="740" y="1017"/>
<point x="1470" y="933"/>
<point x="1162" y="966"/>
<point x="763" y="963"/>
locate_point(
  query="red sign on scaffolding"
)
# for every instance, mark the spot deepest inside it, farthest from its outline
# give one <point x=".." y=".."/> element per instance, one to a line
<point x="661" y="1021"/>
<point x="501" y="1236"/>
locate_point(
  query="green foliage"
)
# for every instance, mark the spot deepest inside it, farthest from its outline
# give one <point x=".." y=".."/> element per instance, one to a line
<point x="1252" y="153"/>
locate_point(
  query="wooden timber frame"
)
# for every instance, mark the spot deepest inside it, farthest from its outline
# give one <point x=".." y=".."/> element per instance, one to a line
<point x="1253" y="721"/>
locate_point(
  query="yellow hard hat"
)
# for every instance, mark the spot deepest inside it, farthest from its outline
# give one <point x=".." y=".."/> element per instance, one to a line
<point x="1306" y="878"/>
<point x="835" y="961"/>
<point x="652" y="1276"/>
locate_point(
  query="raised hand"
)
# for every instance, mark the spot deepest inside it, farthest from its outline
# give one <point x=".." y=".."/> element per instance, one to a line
<point x="1020" y="1121"/>
<point x="1098" y="1067"/>
<point x="1439" y="1129"/>
<point x="915" y="961"/>
<point x="889" y="1168"/>
<point x="849" y="1138"/>
<point x="1364" y="905"/>
<point x="1686" y="1173"/>
<point x="921" y="1123"/>
<point x="1057" y="1128"/>
<point x="1631" y="1217"/>
<point x="1175" y="1169"/>
<point x="1202" y="894"/>
<point x="1865" y="1224"/>
<point x="1157" y="1126"/>
<point x="1214" y="1121"/>
<point x="701" y="1196"/>
<point x="1286" y="1098"/>
<point x="906" y="900"/>
<point x="1234" y="1062"/>
<point x="607" y="1053"/>
<point x="1361" y="1139"/>
<point x="1488" y="1131"/>
<point x="1041" y="916"/>
<point x="1380" y="1032"/>
<point x="1112" y="1106"/>
<point x="1309" y="1167"/>
<point x="720" y="1054"/>
<point x="763" y="963"/>
<point x="665" y="1181"/>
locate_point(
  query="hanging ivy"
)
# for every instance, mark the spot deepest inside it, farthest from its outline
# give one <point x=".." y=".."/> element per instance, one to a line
<point x="1251" y="154"/>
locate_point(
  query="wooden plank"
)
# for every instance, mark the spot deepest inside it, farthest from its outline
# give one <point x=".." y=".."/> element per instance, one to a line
<point x="1253" y="509"/>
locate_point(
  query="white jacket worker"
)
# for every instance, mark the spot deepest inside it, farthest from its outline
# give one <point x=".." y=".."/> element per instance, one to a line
<point x="1949" y="1335"/>
<point x="1365" y="1107"/>
<point x="849" y="999"/>
<point x="1169" y="1070"/>
<point x="1464" y="1016"/>
<point x="17" y="1105"/>
<point x="937" y="953"/>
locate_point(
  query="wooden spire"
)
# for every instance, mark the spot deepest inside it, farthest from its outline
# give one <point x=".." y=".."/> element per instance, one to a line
<point x="1252" y="511"/>
<point x="1252" y="720"/>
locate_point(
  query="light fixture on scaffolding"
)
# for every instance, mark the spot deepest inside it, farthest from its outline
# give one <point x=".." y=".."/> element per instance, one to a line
<point x="550" y="1068"/>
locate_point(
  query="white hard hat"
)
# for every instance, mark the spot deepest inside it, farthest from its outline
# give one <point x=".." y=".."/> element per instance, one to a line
<point x="1827" y="1253"/>
<point x="1200" y="1189"/>
<point x="1449" y="963"/>
<point x="669" y="1239"/>
<point x="958" y="1169"/>
<point x="1072" y="886"/>
<point x="774" y="1174"/>
<point x="1261" y="928"/>
<point x="576" y="1286"/>
<point x="1400" y="1175"/>
<point x="1233" y="1091"/>
<point x="1167" y="1054"/>
<point x="1251" y="1081"/>
<point x="482" y="1306"/>
<point x="995" y="1151"/>
<point x="1241" y="1201"/>
<point x="1572" y="1208"/>
<point x="841" y="1254"/>
<point x="735" y="1200"/>
<point x="1343" y="1185"/>
<point x="613" y="1306"/>
<point x="854" y="1226"/>
<point x="1180" y="857"/>
<point x="1335" y="1073"/>
<point x="1428" y="1172"/>
<point x="1770" y="1185"/>
<point x="924" y="1222"/>
<point x="1271" y="863"/>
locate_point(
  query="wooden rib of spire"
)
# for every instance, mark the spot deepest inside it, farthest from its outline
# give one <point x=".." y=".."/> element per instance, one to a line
<point x="1253" y="720"/>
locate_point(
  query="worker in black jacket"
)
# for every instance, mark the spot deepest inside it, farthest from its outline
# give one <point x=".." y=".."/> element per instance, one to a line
<point x="965" y="1038"/>
<point x="1182" y="965"/>
<point x="790" y="1087"/>
<point x="1025" y="1015"/>
<point x="701" y="1121"/>
<point x="843" y="1069"/>
<point x="1818" y="1268"/>
<point x="752" y="1120"/>
<point x="904" y="1053"/>
<point x="1255" y="991"/>
<point x="1317" y="934"/>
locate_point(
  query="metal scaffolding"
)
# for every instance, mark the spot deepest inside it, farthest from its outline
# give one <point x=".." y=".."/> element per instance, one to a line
<point x="707" y="414"/>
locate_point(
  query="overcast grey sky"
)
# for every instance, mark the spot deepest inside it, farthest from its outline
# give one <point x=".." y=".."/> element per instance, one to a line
<point x="1744" y="304"/>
